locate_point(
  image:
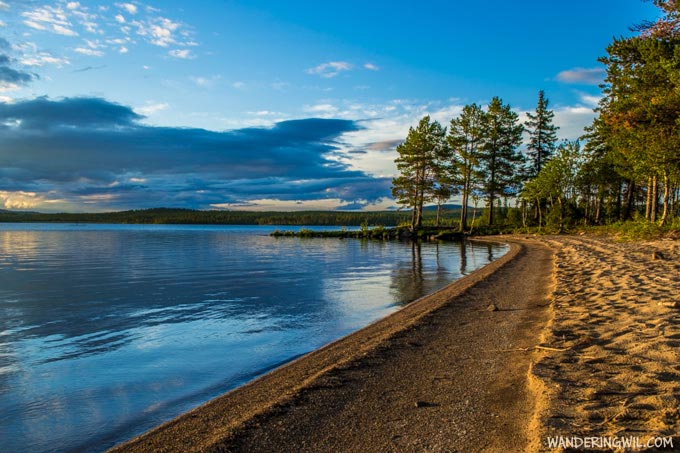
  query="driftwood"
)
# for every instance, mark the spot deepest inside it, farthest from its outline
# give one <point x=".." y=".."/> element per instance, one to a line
<point x="542" y="348"/>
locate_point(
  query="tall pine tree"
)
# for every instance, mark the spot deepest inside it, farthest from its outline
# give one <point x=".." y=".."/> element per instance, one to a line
<point x="499" y="155"/>
<point x="465" y="137"/>
<point x="420" y="162"/>
<point x="542" y="135"/>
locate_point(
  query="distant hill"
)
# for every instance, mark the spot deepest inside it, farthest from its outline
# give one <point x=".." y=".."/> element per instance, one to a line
<point x="445" y="207"/>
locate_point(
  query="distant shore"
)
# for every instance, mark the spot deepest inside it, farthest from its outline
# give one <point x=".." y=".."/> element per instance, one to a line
<point x="563" y="336"/>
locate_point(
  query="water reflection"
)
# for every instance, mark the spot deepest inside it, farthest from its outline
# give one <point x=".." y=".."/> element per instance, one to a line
<point x="434" y="265"/>
<point x="106" y="332"/>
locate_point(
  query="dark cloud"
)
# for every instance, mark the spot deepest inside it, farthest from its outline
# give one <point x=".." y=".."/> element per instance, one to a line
<point x="8" y="74"/>
<point x="387" y="145"/>
<point x="92" y="149"/>
<point x="43" y="113"/>
<point x="88" y="68"/>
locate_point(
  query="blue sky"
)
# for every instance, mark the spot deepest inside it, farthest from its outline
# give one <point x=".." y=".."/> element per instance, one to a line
<point x="268" y="104"/>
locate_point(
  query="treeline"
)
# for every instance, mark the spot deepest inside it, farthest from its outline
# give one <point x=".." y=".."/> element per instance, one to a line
<point x="188" y="216"/>
<point x="625" y="167"/>
<point x="476" y="157"/>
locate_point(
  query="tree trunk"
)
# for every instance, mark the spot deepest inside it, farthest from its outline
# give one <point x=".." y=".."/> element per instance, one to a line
<point x="492" y="200"/>
<point x="648" y="205"/>
<point x="655" y="198"/>
<point x="619" y="200"/>
<point x="474" y="215"/>
<point x="666" y="198"/>
<point x="413" y="212"/>
<point x="630" y="200"/>
<point x="464" y="207"/>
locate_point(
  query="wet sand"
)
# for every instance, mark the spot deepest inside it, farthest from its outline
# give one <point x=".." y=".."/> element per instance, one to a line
<point x="445" y="373"/>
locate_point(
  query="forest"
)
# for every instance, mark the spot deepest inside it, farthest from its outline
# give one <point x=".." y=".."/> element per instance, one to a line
<point x="214" y="217"/>
<point x="624" y="170"/>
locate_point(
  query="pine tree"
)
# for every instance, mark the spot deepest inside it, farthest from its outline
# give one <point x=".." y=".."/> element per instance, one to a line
<point x="641" y="110"/>
<point x="499" y="155"/>
<point x="542" y="134"/>
<point x="420" y="162"/>
<point x="465" y="137"/>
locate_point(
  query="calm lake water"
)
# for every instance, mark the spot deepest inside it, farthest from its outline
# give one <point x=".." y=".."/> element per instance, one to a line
<point x="109" y="330"/>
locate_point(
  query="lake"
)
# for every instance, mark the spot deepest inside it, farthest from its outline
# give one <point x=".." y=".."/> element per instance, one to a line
<point x="109" y="330"/>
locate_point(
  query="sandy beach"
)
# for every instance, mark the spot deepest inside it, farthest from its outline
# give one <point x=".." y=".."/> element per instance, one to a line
<point x="563" y="336"/>
<point x="614" y="370"/>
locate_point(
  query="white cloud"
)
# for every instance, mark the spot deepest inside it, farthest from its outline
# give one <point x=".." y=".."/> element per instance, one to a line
<point x="582" y="76"/>
<point x="590" y="100"/>
<point x="571" y="121"/>
<point x="371" y="67"/>
<point x="20" y="199"/>
<point x="89" y="51"/>
<point x="61" y="30"/>
<point x="8" y="86"/>
<point x="183" y="54"/>
<point x="49" y="18"/>
<point x="265" y="113"/>
<point x="238" y="85"/>
<point x="150" y="108"/>
<point x="326" y="204"/>
<point x="161" y="31"/>
<point x="330" y="69"/>
<point x="205" y="82"/>
<point x="72" y="18"/>
<point x="3" y="24"/>
<point x="322" y="110"/>
<point x="42" y="59"/>
<point x="129" y="7"/>
<point x="4" y="6"/>
<point x="35" y="25"/>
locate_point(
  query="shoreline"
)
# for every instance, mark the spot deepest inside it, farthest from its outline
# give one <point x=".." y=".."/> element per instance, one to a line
<point x="227" y="421"/>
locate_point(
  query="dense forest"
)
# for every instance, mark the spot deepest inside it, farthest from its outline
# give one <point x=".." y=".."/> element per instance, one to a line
<point x="188" y="216"/>
<point x="626" y="166"/>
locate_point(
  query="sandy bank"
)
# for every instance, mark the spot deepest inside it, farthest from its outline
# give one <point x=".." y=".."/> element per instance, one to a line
<point x="614" y="369"/>
<point x="442" y="374"/>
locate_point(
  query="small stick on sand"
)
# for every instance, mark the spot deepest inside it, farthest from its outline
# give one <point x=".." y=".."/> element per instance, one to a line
<point x="543" y="348"/>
